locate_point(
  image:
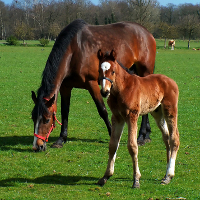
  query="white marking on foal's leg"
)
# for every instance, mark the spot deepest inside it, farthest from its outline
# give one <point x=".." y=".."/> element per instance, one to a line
<point x="171" y="167"/>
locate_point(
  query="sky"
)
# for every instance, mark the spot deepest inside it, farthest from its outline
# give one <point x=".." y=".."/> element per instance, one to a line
<point x="162" y="2"/>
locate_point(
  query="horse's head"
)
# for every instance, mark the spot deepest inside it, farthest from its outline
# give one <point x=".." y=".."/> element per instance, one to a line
<point x="43" y="116"/>
<point x="106" y="71"/>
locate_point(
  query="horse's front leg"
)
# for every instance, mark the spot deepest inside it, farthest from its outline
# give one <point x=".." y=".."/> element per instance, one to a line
<point x="94" y="90"/>
<point x="133" y="147"/>
<point x="65" y="104"/>
<point x="117" y="129"/>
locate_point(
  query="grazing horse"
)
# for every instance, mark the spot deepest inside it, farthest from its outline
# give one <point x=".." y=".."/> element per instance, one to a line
<point x="131" y="96"/>
<point x="171" y="44"/>
<point x="73" y="63"/>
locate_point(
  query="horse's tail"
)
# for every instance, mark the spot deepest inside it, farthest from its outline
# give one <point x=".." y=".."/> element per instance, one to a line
<point x="154" y="69"/>
<point x="133" y="69"/>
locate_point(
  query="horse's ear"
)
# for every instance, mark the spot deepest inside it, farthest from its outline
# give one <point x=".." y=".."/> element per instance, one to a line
<point x="34" y="97"/>
<point x="50" y="102"/>
<point x="113" y="55"/>
<point x="100" y="54"/>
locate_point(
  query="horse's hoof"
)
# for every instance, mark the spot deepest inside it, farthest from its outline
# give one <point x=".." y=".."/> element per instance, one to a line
<point x="136" y="184"/>
<point x="102" y="181"/>
<point x="166" y="180"/>
<point x="55" y="145"/>
<point x="140" y="142"/>
<point x="148" y="140"/>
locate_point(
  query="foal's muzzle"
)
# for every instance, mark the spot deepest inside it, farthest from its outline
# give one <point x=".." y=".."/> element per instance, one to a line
<point x="104" y="94"/>
<point x="107" y="92"/>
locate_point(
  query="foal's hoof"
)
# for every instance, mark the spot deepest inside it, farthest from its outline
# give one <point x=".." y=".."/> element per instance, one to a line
<point x="102" y="181"/>
<point x="166" y="180"/>
<point x="136" y="184"/>
<point x="55" y="145"/>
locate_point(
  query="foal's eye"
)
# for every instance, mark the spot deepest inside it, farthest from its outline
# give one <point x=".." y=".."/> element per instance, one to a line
<point x="113" y="72"/>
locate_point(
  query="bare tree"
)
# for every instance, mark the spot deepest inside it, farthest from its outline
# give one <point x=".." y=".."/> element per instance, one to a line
<point x="144" y="12"/>
<point x="188" y="22"/>
<point x="3" y="14"/>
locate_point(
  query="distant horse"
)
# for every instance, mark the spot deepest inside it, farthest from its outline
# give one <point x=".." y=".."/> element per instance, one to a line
<point x="73" y="63"/>
<point x="131" y="96"/>
<point x="171" y="44"/>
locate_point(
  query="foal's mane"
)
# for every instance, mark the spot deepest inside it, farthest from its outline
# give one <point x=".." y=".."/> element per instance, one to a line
<point x="61" y="44"/>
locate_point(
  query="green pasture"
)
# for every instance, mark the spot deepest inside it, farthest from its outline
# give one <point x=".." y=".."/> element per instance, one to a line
<point x="73" y="171"/>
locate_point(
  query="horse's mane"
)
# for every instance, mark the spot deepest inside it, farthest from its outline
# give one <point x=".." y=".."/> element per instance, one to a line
<point x="62" y="42"/>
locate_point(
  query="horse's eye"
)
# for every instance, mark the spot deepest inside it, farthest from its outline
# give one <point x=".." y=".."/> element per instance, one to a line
<point x="113" y="72"/>
<point x="47" y="121"/>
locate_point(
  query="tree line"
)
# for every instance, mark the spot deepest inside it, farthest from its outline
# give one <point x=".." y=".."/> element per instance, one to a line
<point x="35" y="19"/>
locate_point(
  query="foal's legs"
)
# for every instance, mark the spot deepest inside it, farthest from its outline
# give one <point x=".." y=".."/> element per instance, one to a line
<point x="133" y="147"/>
<point x="170" y="113"/>
<point x="117" y="129"/>
<point x="162" y="125"/>
<point x="168" y="126"/>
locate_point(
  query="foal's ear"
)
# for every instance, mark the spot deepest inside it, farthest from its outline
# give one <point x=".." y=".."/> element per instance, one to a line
<point x="50" y="102"/>
<point x="34" y="98"/>
<point x="113" y="55"/>
<point x="100" y="54"/>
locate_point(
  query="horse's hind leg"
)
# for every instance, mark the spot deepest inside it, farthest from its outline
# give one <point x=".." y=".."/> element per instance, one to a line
<point x="65" y="104"/>
<point x="117" y="129"/>
<point x="145" y="130"/>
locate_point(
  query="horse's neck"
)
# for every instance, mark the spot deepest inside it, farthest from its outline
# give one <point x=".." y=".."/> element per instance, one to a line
<point x="61" y="74"/>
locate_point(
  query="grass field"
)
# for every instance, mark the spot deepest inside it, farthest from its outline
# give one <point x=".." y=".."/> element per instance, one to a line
<point x="73" y="171"/>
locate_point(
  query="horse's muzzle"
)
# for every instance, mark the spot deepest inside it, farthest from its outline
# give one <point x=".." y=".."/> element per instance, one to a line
<point x="42" y="147"/>
<point x="105" y="94"/>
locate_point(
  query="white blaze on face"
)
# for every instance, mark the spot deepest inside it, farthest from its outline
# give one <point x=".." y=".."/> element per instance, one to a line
<point x="105" y="66"/>
<point x="36" y="132"/>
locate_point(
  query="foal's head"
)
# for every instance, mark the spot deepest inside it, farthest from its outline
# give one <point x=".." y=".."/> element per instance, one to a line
<point x="43" y="116"/>
<point x="107" y="64"/>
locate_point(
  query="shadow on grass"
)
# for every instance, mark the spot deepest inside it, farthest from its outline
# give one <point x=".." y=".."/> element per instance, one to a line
<point x="14" y="142"/>
<point x="50" y="179"/>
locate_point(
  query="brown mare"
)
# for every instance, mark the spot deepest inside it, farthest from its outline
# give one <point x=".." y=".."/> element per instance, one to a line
<point x="131" y="96"/>
<point x="73" y="63"/>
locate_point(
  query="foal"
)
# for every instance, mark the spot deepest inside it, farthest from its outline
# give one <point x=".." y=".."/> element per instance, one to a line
<point x="131" y="96"/>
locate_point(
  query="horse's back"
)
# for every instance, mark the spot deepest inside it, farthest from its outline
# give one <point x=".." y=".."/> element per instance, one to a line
<point x="133" y="43"/>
